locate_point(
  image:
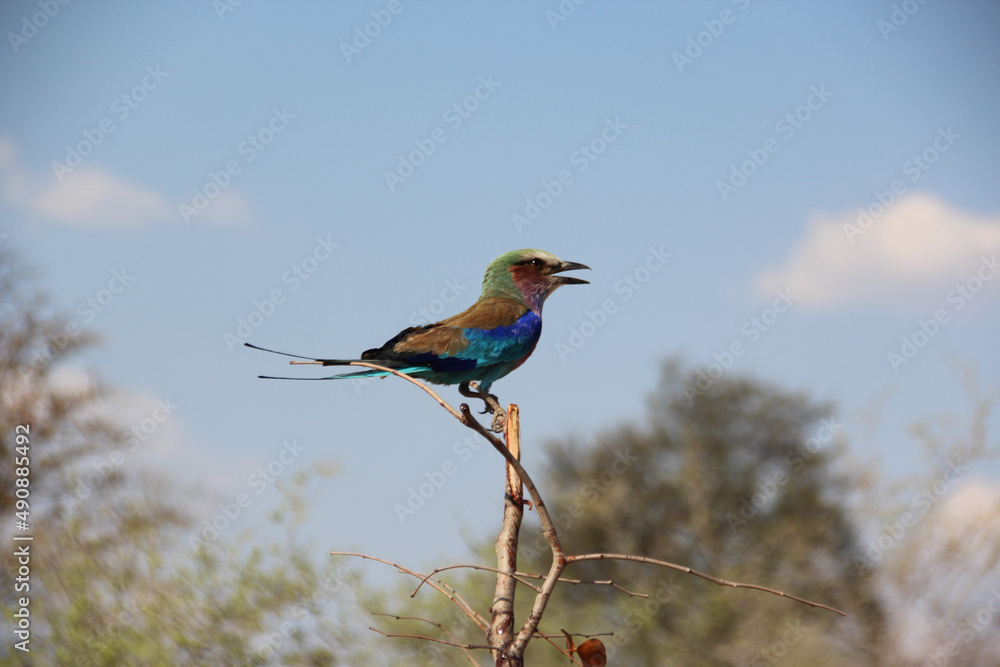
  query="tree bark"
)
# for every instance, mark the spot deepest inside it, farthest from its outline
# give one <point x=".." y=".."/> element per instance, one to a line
<point x="501" y="633"/>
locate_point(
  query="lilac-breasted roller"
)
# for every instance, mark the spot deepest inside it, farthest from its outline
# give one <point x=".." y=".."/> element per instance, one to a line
<point x="481" y="344"/>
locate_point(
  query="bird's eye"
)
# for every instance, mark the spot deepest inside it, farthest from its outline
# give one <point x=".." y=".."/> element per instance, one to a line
<point x="537" y="263"/>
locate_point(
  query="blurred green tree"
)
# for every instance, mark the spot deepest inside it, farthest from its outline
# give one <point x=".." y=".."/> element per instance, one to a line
<point x="113" y="577"/>
<point x="732" y="477"/>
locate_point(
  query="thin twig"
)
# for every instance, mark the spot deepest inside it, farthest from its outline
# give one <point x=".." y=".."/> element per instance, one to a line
<point x="485" y="568"/>
<point x="441" y="587"/>
<point x="520" y="576"/>
<point x="707" y="577"/>
<point x="573" y="660"/>
<point x="443" y="403"/>
<point x="430" y="639"/>
<point x="435" y="624"/>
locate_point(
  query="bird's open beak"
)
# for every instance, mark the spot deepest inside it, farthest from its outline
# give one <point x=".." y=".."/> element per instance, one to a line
<point x="569" y="280"/>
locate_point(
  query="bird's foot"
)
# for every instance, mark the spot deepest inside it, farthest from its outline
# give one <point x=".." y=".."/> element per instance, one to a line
<point x="499" y="414"/>
<point x="491" y="404"/>
<point x="499" y="420"/>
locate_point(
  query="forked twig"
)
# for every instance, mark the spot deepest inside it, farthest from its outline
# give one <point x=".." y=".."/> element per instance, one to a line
<point x="521" y="576"/>
<point x="707" y="577"/>
<point x="439" y="586"/>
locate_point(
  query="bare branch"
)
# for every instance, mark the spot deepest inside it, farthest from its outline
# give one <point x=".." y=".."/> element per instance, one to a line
<point x="444" y="404"/>
<point x="588" y="635"/>
<point x="435" y="624"/>
<point x="519" y="576"/>
<point x="429" y="639"/>
<point x="439" y="586"/>
<point x="548" y="530"/>
<point x="466" y="418"/>
<point x="515" y="649"/>
<point x="569" y="654"/>
<point x="707" y="577"/>
<point x="604" y="582"/>
<point x="500" y="635"/>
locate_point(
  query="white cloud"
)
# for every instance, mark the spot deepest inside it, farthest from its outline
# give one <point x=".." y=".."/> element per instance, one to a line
<point x="92" y="197"/>
<point x="914" y="250"/>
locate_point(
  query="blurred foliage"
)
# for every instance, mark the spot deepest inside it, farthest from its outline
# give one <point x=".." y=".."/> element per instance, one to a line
<point x="115" y="579"/>
<point x="731" y="477"/>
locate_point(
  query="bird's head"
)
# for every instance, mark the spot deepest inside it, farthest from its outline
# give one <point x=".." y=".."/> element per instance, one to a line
<point x="531" y="275"/>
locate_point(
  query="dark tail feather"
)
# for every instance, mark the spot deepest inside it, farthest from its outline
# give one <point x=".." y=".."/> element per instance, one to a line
<point x="325" y="362"/>
<point x="271" y="377"/>
<point x="396" y="364"/>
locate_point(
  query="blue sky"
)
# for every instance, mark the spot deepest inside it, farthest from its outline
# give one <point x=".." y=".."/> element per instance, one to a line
<point x="740" y="138"/>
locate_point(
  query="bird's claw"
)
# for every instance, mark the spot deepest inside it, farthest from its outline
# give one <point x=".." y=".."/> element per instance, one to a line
<point x="499" y="414"/>
<point x="499" y="420"/>
<point x="491" y="405"/>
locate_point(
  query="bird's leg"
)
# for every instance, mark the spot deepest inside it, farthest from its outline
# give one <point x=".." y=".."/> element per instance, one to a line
<point x="474" y="392"/>
<point x="492" y="404"/>
<point x="499" y="415"/>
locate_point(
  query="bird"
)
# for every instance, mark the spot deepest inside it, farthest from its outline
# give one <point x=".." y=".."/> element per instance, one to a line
<point x="478" y="346"/>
